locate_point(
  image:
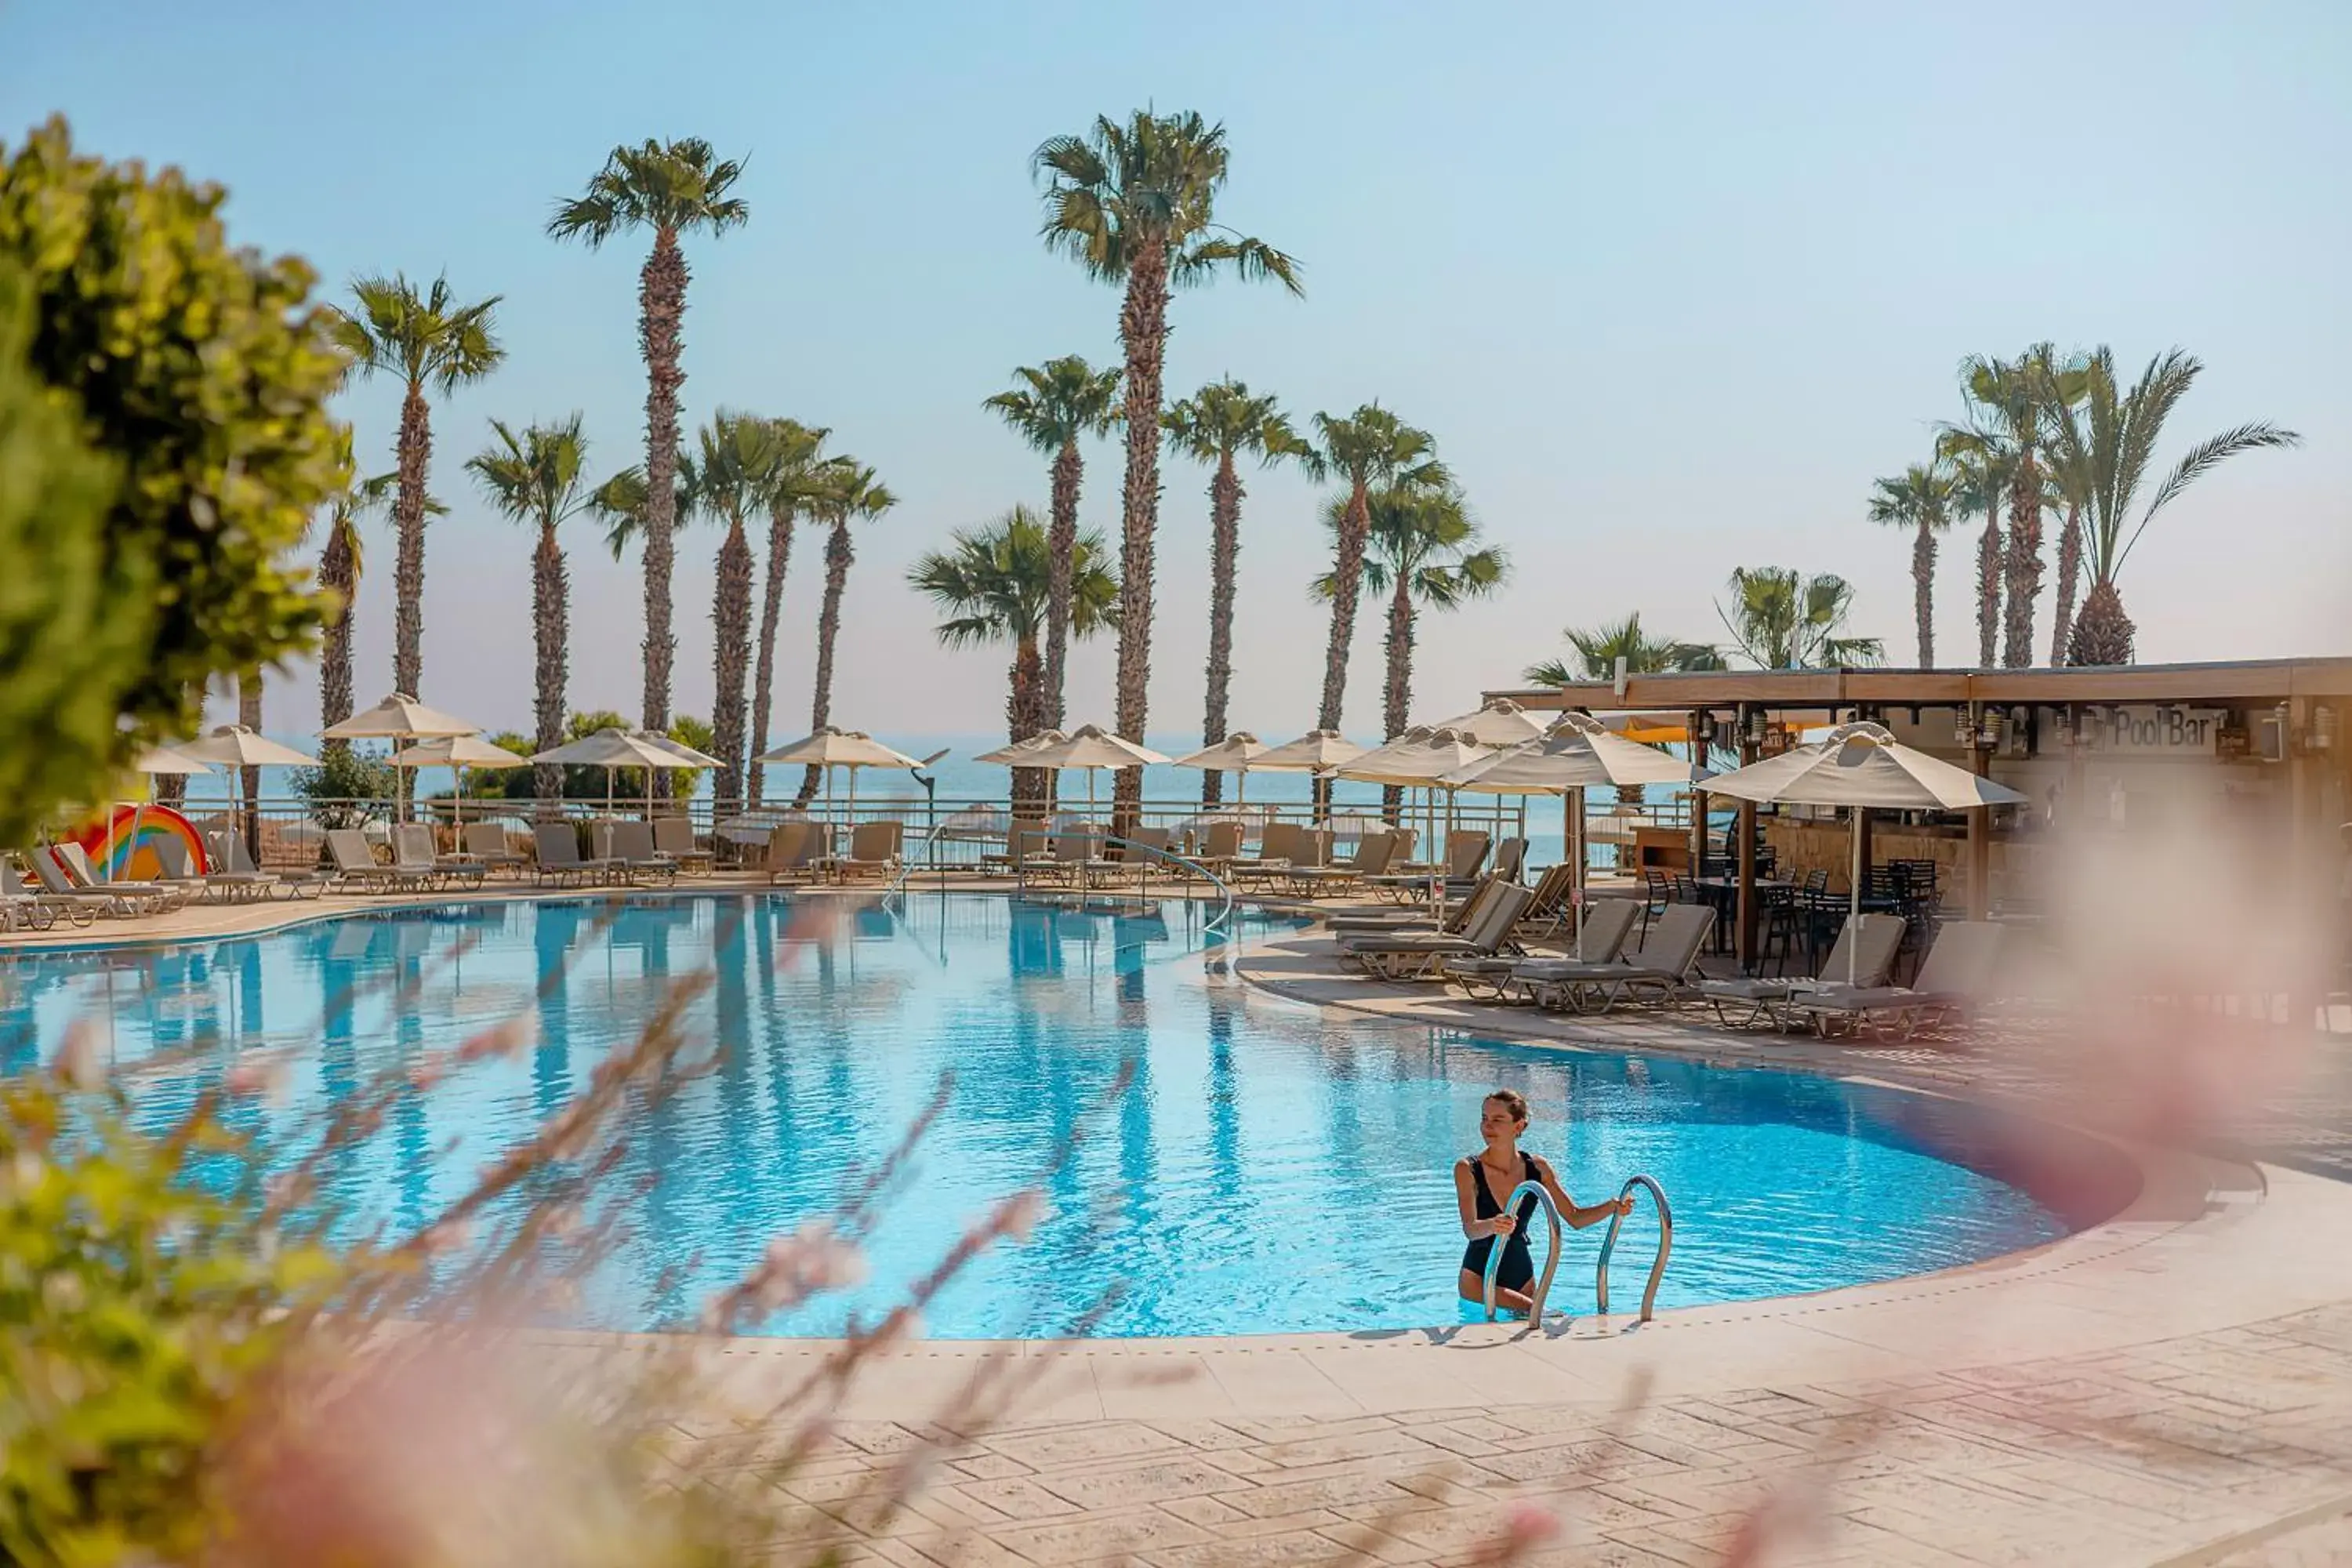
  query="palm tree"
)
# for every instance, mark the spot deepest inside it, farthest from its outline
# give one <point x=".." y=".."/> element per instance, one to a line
<point x="1781" y="620"/>
<point x="735" y="475"/>
<point x="1920" y="500"/>
<point x="1134" y="204"/>
<point x="1422" y="553"/>
<point x="672" y="188"/>
<point x="2125" y="427"/>
<point x="1980" y="483"/>
<point x="537" y="478"/>
<point x="341" y="559"/>
<point x="1598" y="649"/>
<point x="1371" y="450"/>
<point x="1055" y="405"/>
<point x="996" y="584"/>
<point x="792" y="484"/>
<point x="2073" y="478"/>
<point x="847" y="490"/>
<point x="2010" y="405"/>
<point x="424" y="339"/>
<point x="1217" y="425"/>
<point x="621" y="503"/>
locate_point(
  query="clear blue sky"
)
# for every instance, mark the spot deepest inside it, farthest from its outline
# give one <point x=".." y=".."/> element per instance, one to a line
<point x="1670" y="285"/>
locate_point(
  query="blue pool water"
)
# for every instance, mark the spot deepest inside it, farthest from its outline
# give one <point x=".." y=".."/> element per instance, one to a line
<point x="1265" y="1171"/>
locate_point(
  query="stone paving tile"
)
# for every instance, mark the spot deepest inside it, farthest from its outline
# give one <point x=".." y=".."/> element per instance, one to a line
<point x="2128" y="1457"/>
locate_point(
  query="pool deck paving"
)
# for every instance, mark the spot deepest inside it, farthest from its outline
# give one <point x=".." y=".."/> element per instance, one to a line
<point x="2172" y="1387"/>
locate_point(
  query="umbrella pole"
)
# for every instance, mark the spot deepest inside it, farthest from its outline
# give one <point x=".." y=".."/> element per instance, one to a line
<point x="1572" y="842"/>
<point x="1853" y="901"/>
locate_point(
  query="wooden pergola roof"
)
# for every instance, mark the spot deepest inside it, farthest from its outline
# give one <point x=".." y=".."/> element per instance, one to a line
<point x="2251" y="682"/>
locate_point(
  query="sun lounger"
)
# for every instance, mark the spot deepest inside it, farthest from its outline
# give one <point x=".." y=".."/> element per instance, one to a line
<point x="418" y="860"/>
<point x="1860" y="959"/>
<point x="557" y="846"/>
<point x="1465" y="852"/>
<point x="1410" y="955"/>
<point x="627" y="848"/>
<point x="1656" y="969"/>
<point x="1956" y="977"/>
<point x="1606" y="923"/>
<point x="486" y="842"/>
<point x="1221" y="844"/>
<point x="1551" y="910"/>
<point x="232" y="859"/>
<point x="1372" y="857"/>
<point x="1278" y="845"/>
<point x="873" y="851"/>
<point x="29" y="911"/>
<point x="164" y="897"/>
<point x="1452" y="918"/>
<point x="351" y="865"/>
<point x="1510" y="864"/>
<point x="124" y="901"/>
<point x="674" y="836"/>
<point x="794" y="853"/>
<point x="219" y="884"/>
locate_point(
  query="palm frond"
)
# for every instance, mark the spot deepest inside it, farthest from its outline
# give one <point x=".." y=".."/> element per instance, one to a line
<point x="2201" y="458"/>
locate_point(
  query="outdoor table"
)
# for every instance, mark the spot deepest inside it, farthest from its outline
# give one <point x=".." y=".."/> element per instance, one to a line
<point x="1723" y="894"/>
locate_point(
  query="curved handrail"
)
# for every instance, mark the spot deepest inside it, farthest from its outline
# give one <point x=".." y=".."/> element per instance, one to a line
<point x="1224" y="911"/>
<point x="1551" y="1263"/>
<point x="1609" y="1244"/>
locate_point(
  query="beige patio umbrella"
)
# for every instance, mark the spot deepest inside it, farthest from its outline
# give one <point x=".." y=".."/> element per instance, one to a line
<point x="1235" y="755"/>
<point x="679" y="749"/>
<point x="1864" y="767"/>
<point x="1022" y="754"/>
<point x="1498" y="722"/>
<point x="1092" y="748"/>
<point x="1416" y="759"/>
<point x="398" y="716"/>
<point x="1316" y="751"/>
<point x="832" y="748"/>
<point x="612" y="749"/>
<point x="457" y="753"/>
<point x="236" y="746"/>
<point x="1577" y="753"/>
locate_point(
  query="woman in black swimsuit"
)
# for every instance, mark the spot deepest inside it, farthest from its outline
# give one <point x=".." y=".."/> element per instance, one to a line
<point x="1499" y="1168"/>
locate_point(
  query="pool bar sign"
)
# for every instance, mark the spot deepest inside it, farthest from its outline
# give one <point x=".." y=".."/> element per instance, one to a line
<point x="2157" y="731"/>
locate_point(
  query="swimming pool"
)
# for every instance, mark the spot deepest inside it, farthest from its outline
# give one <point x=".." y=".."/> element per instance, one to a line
<point x="1268" y="1169"/>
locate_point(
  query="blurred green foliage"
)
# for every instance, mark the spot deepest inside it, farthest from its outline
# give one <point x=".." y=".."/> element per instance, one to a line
<point x="71" y="619"/>
<point x="199" y="374"/>
<point x="139" y="1312"/>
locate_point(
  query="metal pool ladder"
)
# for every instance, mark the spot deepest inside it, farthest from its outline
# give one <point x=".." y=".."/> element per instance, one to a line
<point x="1658" y="1265"/>
<point x="1609" y="1244"/>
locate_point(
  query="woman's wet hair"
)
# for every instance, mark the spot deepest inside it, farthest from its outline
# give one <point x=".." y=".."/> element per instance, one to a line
<point x="1512" y="1101"/>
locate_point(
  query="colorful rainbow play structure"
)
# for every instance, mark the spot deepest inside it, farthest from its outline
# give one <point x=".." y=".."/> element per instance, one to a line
<point x="133" y="831"/>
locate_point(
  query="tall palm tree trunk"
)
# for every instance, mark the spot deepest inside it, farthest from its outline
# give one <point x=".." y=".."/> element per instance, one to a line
<point x="2070" y="576"/>
<point x="1224" y="552"/>
<point x="416" y="452"/>
<point x="1061" y="544"/>
<point x="772" y="604"/>
<point x="1396" y="700"/>
<point x="1923" y="593"/>
<point x="1143" y="331"/>
<point x="248" y="781"/>
<point x="1025" y="715"/>
<point x="2024" y="565"/>
<point x="838" y="553"/>
<point x="1989" y="590"/>
<point x="1347" y="585"/>
<point x="661" y="307"/>
<point x="550" y="617"/>
<point x="339" y="575"/>
<point x="730" y="621"/>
